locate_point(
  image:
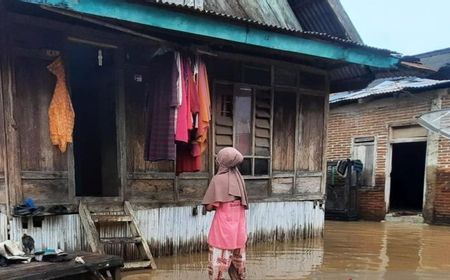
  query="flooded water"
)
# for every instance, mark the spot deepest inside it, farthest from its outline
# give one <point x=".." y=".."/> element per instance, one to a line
<point x="349" y="250"/>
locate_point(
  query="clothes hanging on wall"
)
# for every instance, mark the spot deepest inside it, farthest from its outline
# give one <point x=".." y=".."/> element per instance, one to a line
<point x="179" y="111"/>
<point x="61" y="115"/>
<point x="162" y="103"/>
<point x="204" y="117"/>
<point x="197" y="88"/>
<point x="184" y="115"/>
<point x="186" y="162"/>
<point x="342" y="167"/>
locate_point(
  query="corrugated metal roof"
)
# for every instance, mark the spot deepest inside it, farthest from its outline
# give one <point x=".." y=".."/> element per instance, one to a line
<point x="435" y="59"/>
<point x="325" y="16"/>
<point x="390" y="85"/>
<point x="274" y="12"/>
<point x="249" y="11"/>
<point x="187" y="5"/>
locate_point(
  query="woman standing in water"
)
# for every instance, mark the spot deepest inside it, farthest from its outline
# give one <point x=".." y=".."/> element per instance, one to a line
<point x="227" y="237"/>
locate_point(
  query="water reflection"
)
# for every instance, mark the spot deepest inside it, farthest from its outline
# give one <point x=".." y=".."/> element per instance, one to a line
<point x="355" y="250"/>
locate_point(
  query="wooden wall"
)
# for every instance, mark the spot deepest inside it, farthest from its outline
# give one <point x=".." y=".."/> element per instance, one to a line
<point x="43" y="168"/>
<point x="297" y="124"/>
<point x="285" y="114"/>
<point x="3" y="190"/>
<point x="293" y="116"/>
<point x="153" y="182"/>
<point x="310" y="151"/>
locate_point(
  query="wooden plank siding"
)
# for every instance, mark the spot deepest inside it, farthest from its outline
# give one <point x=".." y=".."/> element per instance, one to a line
<point x="287" y="132"/>
<point x="12" y="160"/>
<point x="3" y="190"/>
<point x="284" y="131"/>
<point x="310" y="151"/>
<point x="42" y="167"/>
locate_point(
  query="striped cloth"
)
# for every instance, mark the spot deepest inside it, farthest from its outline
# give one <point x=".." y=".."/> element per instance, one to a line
<point x="162" y="103"/>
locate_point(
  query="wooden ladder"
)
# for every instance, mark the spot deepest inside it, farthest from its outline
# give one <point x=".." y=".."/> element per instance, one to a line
<point x="93" y="221"/>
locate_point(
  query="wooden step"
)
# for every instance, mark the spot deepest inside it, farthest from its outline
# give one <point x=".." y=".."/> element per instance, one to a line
<point x="136" y="265"/>
<point x="111" y="218"/>
<point x="93" y="222"/>
<point x="121" y="240"/>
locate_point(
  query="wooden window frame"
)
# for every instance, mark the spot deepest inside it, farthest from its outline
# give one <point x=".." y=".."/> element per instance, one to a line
<point x="367" y="141"/>
<point x="253" y="157"/>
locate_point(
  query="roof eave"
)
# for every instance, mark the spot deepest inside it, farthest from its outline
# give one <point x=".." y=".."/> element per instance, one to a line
<point x="173" y="20"/>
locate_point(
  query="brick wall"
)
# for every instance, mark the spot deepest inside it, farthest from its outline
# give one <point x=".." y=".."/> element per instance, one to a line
<point x="372" y="118"/>
<point x="442" y="189"/>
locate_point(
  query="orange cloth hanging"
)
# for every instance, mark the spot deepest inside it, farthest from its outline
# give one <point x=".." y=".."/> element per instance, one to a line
<point x="60" y="113"/>
<point x="204" y="116"/>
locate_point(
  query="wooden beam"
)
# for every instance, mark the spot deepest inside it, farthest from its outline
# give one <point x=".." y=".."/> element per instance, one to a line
<point x="4" y="175"/>
<point x="106" y="36"/>
<point x="326" y="111"/>
<point x="90" y="230"/>
<point x="136" y="231"/>
<point x="243" y="33"/>
<point x="12" y="151"/>
<point x="121" y="122"/>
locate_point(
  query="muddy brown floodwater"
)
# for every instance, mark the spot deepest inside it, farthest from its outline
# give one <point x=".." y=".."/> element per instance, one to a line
<point x="349" y="250"/>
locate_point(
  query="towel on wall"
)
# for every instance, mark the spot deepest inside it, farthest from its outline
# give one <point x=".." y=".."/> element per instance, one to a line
<point x="60" y="113"/>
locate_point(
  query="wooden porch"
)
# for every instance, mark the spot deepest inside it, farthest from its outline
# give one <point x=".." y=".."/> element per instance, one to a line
<point x="99" y="266"/>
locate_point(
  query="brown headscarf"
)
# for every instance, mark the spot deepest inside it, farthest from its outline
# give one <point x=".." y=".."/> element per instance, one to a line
<point x="228" y="183"/>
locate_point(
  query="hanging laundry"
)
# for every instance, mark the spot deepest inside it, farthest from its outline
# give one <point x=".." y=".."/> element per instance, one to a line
<point x="179" y="89"/>
<point x="184" y="116"/>
<point x="205" y="107"/>
<point x="185" y="161"/>
<point x="195" y="109"/>
<point x="162" y="103"/>
<point x="61" y="115"/>
<point x="342" y="167"/>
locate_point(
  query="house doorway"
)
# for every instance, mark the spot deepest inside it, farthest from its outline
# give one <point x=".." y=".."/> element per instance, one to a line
<point x="407" y="176"/>
<point x="92" y="84"/>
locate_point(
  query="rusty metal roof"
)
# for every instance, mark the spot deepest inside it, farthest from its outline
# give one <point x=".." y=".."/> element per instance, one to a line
<point x="381" y="87"/>
<point x="317" y="19"/>
<point x="276" y="14"/>
<point x="270" y="21"/>
<point x="325" y="16"/>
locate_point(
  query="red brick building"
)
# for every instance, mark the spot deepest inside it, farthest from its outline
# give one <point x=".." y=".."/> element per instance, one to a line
<point x="406" y="167"/>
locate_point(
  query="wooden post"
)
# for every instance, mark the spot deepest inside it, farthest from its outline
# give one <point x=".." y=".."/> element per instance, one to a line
<point x="12" y="159"/>
<point x="116" y="274"/>
<point x="323" y="186"/>
<point x="121" y="123"/>
<point x="298" y="122"/>
<point x="2" y="116"/>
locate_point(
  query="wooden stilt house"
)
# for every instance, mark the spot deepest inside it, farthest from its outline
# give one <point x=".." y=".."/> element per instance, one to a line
<point x="269" y="79"/>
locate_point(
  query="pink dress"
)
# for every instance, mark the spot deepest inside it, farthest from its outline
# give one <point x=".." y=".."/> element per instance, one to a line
<point x="229" y="228"/>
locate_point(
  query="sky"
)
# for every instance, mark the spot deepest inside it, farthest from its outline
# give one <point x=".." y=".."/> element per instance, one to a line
<point x="405" y="26"/>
